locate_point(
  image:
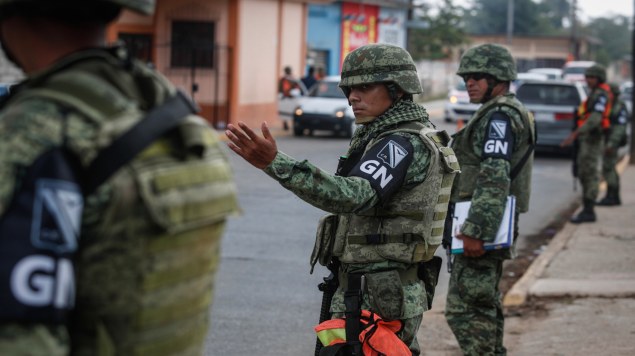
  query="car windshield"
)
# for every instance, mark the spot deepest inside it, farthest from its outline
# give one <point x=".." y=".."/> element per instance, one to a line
<point x="574" y="70"/>
<point x="326" y="89"/>
<point x="548" y="94"/>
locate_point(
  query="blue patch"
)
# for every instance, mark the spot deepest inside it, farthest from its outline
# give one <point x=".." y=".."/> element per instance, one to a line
<point x="499" y="141"/>
<point x="600" y="104"/>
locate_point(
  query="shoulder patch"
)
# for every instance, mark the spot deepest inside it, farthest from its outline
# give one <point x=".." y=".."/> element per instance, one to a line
<point x="622" y="119"/>
<point x="499" y="140"/>
<point x="385" y="164"/>
<point x="600" y="103"/>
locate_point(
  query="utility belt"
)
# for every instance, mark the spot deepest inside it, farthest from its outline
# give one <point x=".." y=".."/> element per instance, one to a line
<point x="406" y="277"/>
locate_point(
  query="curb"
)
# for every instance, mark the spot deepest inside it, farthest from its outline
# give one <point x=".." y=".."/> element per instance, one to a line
<point x="517" y="294"/>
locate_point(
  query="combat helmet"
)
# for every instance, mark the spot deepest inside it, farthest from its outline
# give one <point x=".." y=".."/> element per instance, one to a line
<point x="492" y="59"/>
<point x="142" y="6"/>
<point x="597" y="71"/>
<point x="380" y="63"/>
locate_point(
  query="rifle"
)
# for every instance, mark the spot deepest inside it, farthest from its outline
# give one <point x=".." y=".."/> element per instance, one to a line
<point x="328" y="288"/>
<point x="447" y="236"/>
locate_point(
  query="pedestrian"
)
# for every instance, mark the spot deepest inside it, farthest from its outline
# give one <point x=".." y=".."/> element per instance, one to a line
<point x="389" y="195"/>
<point x="592" y="121"/>
<point x="309" y="80"/>
<point x="287" y="83"/>
<point x="495" y="152"/>
<point x="615" y="137"/>
<point x="113" y="193"/>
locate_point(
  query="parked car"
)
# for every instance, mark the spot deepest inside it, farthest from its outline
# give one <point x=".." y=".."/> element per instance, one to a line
<point x="573" y="71"/>
<point x="552" y="73"/>
<point x="525" y="76"/>
<point x="458" y="106"/>
<point x="324" y="108"/>
<point x="553" y="104"/>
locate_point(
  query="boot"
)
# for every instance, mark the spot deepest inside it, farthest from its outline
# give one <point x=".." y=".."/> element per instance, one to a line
<point x="586" y="215"/>
<point x="612" y="198"/>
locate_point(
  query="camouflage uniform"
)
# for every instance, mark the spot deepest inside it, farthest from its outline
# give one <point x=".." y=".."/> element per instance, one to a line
<point x="593" y="120"/>
<point x="473" y="310"/>
<point x="400" y="293"/>
<point x="150" y="235"/>
<point x="615" y="138"/>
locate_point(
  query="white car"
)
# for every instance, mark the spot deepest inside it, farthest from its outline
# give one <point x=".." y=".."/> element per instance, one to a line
<point x="552" y="73"/>
<point x="325" y="108"/>
<point x="458" y="106"/>
<point x="573" y="71"/>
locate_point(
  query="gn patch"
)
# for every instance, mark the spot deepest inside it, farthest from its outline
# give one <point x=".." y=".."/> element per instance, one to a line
<point x="600" y="103"/>
<point x="499" y="140"/>
<point x="385" y="164"/>
<point x="622" y="118"/>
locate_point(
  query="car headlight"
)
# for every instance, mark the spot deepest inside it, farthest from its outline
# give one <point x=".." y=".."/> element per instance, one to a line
<point x="298" y="111"/>
<point x="340" y="113"/>
<point x="454" y="99"/>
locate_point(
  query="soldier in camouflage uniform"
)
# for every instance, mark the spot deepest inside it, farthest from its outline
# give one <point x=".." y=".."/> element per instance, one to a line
<point x="593" y="121"/>
<point x="615" y="138"/>
<point x="118" y="266"/>
<point x="495" y="152"/>
<point x="389" y="196"/>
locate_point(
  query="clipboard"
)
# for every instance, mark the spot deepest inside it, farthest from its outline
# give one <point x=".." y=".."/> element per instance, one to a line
<point x="504" y="236"/>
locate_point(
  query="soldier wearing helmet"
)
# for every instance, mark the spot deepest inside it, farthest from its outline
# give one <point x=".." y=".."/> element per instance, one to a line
<point x="388" y="198"/>
<point x="101" y="162"/>
<point x="616" y="137"/>
<point x="593" y="120"/>
<point x="495" y="152"/>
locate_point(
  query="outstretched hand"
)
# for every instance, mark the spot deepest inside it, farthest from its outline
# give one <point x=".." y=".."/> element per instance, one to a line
<point x="259" y="151"/>
<point x="569" y="140"/>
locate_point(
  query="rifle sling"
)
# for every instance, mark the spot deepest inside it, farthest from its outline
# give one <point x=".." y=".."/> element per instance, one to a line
<point x="123" y="149"/>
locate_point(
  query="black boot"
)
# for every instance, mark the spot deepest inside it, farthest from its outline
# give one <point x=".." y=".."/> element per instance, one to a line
<point x="586" y="215"/>
<point x="612" y="198"/>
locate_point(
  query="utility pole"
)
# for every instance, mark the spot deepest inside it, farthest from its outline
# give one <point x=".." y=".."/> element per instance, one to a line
<point x="574" y="31"/>
<point x="510" y="21"/>
<point x="632" y="159"/>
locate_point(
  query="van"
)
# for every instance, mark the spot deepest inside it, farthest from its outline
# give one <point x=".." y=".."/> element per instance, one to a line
<point x="573" y="71"/>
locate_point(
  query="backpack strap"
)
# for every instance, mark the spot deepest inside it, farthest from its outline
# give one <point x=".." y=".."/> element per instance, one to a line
<point x="155" y="124"/>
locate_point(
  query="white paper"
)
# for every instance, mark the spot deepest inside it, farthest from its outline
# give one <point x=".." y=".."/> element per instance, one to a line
<point x="504" y="236"/>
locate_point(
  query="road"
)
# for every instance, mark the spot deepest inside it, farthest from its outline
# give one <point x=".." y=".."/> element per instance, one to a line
<point x="266" y="302"/>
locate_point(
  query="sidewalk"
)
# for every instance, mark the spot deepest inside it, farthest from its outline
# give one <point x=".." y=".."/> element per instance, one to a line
<point x="578" y="297"/>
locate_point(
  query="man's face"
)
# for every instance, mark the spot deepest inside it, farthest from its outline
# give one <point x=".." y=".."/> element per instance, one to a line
<point x="591" y="81"/>
<point x="476" y="84"/>
<point x="369" y="100"/>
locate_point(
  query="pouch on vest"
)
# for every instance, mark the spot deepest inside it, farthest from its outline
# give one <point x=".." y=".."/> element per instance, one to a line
<point x="324" y="239"/>
<point x="385" y="294"/>
<point x="38" y="238"/>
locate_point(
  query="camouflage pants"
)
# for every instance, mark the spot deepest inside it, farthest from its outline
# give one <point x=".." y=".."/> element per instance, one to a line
<point x="589" y="155"/>
<point x="609" y="161"/>
<point x="474" y="309"/>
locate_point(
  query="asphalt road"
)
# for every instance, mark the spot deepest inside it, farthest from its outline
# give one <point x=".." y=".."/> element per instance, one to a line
<point x="266" y="302"/>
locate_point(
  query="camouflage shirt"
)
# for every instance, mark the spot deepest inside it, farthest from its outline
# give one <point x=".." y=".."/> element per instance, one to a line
<point x="490" y="179"/>
<point x="337" y="194"/>
<point x="617" y="131"/>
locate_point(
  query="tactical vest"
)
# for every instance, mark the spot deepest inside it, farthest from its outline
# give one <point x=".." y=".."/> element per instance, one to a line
<point x="409" y="227"/>
<point x="149" y="241"/>
<point x="584" y="113"/>
<point x="470" y="162"/>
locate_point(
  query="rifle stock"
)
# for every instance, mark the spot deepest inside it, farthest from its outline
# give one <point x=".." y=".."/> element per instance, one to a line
<point x="328" y="288"/>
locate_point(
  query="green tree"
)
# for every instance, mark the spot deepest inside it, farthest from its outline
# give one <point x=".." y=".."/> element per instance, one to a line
<point x="444" y="31"/>
<point x="614" y="35"/>
<point x="490" y="17"/>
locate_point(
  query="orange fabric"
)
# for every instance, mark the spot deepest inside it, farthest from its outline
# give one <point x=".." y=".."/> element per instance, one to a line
<point x="378" y="336"/>
<point x="583" y="112"/>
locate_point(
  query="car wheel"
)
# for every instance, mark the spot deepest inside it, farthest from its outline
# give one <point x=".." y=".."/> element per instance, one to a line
<point x="447" y="119"/>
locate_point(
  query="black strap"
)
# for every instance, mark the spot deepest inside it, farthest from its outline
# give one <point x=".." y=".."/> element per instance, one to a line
<point x="155" y="124"/>
<point x="353" y="313"/>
